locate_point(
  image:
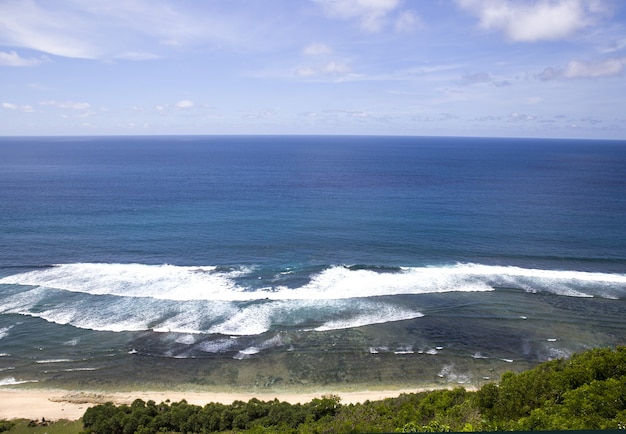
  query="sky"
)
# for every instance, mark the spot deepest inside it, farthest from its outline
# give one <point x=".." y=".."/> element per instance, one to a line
<point x="504" y="68"/>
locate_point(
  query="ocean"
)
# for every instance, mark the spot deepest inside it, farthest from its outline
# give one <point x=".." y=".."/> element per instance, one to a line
<point x="303" y="262"/>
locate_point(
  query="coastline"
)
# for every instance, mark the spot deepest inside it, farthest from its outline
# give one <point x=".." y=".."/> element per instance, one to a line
<point x="57" y="404"/>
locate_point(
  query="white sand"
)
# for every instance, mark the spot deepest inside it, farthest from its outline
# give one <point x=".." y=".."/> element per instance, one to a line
<point x="67" y="404"/>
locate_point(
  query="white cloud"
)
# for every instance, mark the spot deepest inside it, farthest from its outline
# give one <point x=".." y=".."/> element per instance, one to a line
<point x="324" y="62"/>
<point x="407" y="22"/>
<point x="332" y="68"/>
<point x="533" y="21"/>
<point x="69" y="105"/>
<point x="370" y="13"/>
<point x="184" y="104"/>
<point x="101" y="29"/>
<point x="521" y="117"/>
<point x="58" y="32"/>
<point x="484" y="78"/>
<point x="317" y="49"/>
<point x="576" y="69"/>
<point x="22" y="108"/>
<point x="606" y="68"/>
<point x="306" y="71"/>
<point x="11" y="58"/>
<point x="613" y="46"/>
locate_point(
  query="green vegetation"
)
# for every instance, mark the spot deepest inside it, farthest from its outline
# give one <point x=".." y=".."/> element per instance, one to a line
<point x="25" y="426"/>
<point x="585" y="392"/>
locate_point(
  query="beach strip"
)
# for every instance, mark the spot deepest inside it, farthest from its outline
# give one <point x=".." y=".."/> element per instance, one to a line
<point x="56" y="404"/>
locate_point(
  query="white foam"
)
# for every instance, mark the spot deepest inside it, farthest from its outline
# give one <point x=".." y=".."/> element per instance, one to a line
<point x="11" y="381"/>
<point x="560" y="282"/>
<point x="338" y="282"/>
<point x="377" y="313"/>
<point x="251" y="320"/>
<point x="217" y="346"/>
<point x="187" y="339"/>
<point x="4" y="331"/>
<point x="137" y="280"/>
<point x="448" y="373"/>
<point x="200" y="300"/>
<point x="341" y="283"/>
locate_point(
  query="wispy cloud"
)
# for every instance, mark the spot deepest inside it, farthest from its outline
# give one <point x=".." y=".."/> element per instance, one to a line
<point x="407" y="22"/>
<point x="69" y="105"/>
<point x="133" y="29"/>
<point x="331" y="68"/>
<point x="25" y="108"/>
<point x="484" y="77"/>
<point x="532" y="21"/>
<point x="11" y="58"/>
<point x="321" y="61"/>
<point x="317" y="49"/>
<point x="184" y="104"/>
<point x="614" y="45"/>
<point x="576" y="69"/>
<point x="371" y="14"/>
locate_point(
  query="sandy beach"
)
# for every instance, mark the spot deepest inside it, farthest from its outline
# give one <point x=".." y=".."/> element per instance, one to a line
<point x="55" y="404"/>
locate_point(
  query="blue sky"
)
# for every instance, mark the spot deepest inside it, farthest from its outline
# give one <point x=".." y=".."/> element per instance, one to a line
<point x="540" y="68"/>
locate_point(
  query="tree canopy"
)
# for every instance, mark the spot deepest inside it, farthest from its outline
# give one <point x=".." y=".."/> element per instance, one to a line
<point x="586" y="391"/>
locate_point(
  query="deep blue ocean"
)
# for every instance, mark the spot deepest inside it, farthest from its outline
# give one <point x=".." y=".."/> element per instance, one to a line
<point x="231" y="248"/>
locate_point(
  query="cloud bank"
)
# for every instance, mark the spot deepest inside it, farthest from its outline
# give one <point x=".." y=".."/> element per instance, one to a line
<point x="576" y="69"/>
<point x="524" y="21"/>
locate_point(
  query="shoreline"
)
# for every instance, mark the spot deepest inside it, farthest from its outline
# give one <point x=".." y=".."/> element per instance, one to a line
<point x="57" y="404"/>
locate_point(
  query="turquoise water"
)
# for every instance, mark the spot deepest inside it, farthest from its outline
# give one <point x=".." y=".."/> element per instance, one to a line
<point x="265" y="261"/>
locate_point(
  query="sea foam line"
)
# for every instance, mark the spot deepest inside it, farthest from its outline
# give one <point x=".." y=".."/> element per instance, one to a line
<point x="169" y="282"/>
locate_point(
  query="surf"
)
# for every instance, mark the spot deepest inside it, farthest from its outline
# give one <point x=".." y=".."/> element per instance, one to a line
<point x="218" y="283"/>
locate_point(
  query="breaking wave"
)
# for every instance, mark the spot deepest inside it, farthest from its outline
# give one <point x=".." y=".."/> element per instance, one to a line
<point x="241" y="301"/>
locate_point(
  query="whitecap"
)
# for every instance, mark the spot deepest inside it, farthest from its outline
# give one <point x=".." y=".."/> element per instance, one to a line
<point x="187" y="339"/>
<point x="170" y="282"/>
<point x="367" y="314"/>
<point x="4" y="331"/>
<point x="217" y="346"/>
<point x="11" y="381"/>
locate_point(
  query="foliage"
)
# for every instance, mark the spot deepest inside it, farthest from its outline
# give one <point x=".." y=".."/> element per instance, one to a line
<point x="587" y="391"/>
<point x="584" y="392"/>
<point x="25" y="426"/>
<point x="6" y="425"/>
